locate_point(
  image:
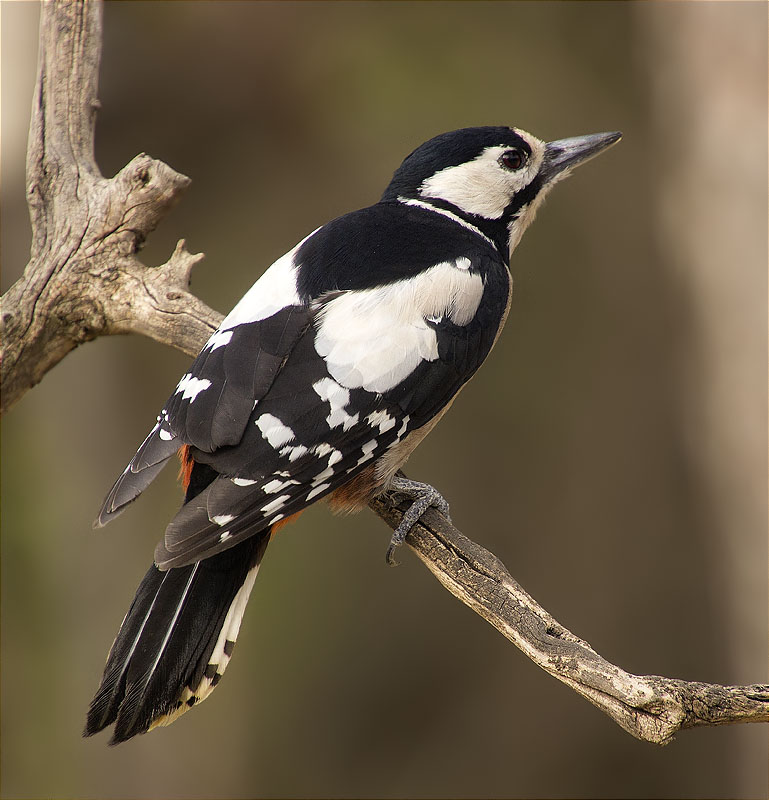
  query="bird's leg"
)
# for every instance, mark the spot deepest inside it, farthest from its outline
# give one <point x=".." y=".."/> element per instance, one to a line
<point x="424" y="496"/>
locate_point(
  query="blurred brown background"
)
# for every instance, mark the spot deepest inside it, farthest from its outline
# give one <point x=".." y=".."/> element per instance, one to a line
<point x="612" y="452"/>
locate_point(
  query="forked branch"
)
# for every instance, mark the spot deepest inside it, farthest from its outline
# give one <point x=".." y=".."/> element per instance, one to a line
<point x="84" y="280"/>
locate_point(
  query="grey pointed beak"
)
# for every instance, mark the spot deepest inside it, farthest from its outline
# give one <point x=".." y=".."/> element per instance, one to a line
<point x="562" y="156"/>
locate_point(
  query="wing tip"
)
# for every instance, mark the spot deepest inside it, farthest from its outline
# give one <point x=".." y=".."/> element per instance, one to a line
<point x="106" y="516"/>
<point x="111" y="509"/>
<point x="131" y="483"/>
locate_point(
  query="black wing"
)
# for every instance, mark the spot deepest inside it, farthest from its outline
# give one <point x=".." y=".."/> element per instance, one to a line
<point x="310" y="434"/>
<point x="211" y="404"/>
<point x="318" y="371"/>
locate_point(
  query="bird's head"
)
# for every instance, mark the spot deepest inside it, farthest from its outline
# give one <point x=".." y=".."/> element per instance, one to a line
<point x="492" y="177"/>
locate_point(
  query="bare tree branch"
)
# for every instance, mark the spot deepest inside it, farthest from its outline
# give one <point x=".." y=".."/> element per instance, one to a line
<point x="650" y="707"/>
<point x="83" y="280"/>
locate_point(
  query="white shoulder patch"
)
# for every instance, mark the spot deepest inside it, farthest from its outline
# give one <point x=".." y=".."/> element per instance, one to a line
<point x="374" y="338"/>
<point x="275" y="290"/>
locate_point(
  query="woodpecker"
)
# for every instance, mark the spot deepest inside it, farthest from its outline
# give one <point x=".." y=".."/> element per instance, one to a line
<point x="319" y="384"/>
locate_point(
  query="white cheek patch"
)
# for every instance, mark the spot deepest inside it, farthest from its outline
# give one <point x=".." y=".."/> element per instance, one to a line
<point x="374" y="338"/>
<point x="483" y="186"/>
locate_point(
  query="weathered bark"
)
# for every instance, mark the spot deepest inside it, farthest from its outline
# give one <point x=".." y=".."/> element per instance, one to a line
<point x="83" y="280"/>
<point x="650" y="707"/>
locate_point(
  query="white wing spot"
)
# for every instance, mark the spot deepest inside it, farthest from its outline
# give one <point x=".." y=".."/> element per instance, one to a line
<point x="382" y="420"/>
<point x="317" y="490"/>
<point x="274" y="431"/>
<point x="223" y="536"/>
<point x="165" y="435"/>
<point x="368" y="452"/>
<point x="337" y="397"/>
<point x="324" y="449"/>
<point x="322" y="476"/>
<point x="222" y="519"/>
<point x="294" y="452"/>
<point x="275" y="504"/>
<point x="242" y="481"/>
<point x="276" y="486"/>
<point x="190" y="387"/>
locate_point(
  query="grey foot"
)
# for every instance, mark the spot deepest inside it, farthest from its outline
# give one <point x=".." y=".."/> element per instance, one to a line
<point x="424" y="497"/>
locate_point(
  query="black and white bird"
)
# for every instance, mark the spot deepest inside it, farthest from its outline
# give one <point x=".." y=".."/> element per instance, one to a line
<point x="318" y="385"/>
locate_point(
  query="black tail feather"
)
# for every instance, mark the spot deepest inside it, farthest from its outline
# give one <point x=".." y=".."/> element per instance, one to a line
<point x="175" y="641"/>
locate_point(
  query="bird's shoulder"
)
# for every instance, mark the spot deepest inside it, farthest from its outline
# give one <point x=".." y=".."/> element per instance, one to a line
<point x="383" y="244"/>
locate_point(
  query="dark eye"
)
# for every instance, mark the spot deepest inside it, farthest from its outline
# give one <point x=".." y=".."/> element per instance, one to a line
<point x="512" y="159"/>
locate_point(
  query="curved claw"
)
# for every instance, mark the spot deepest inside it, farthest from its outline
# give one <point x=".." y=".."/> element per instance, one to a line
<point x="424" y="497"/>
